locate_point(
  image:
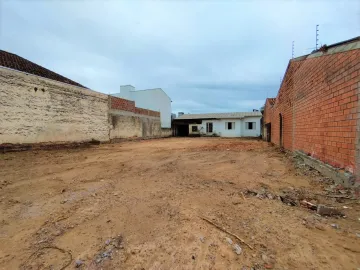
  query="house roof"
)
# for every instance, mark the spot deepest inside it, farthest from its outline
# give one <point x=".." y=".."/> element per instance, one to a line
<point x="218" y="115"/>
<point x="13" y="61"/>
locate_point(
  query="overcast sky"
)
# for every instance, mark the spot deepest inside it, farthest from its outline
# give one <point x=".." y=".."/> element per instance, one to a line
<point x="208" y="56"/>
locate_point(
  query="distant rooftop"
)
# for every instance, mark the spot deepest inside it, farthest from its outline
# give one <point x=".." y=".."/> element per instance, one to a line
<point x="13" y="61"/>
<point x="234" y="115"/>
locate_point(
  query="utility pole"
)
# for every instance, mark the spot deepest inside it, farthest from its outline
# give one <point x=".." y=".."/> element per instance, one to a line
<point x="317" y="35"/>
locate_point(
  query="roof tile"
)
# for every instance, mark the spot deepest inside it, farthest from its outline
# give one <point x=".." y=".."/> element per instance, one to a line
<point x="218" y="115"/>
<point x="13" y="61"/>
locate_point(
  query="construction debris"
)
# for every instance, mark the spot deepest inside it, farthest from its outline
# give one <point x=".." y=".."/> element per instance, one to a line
<point x="224" y="230"/>
<point x="107" y="251"/>
<point x="308" y="205"/>
<point x="237" y="249"/>
<point x="78" y="263"/>
<point x="328" y="211"/>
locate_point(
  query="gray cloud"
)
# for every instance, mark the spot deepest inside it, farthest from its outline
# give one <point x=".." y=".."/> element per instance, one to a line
<point x="209" y="56"/>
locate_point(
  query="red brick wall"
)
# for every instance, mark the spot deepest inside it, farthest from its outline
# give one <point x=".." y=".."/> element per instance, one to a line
<point x="284" y="105"/>
<point x="122" y="104"/>
<point x="267" y="112"/>
<point x="318" y="100"/>
<point x="128" y="105"/>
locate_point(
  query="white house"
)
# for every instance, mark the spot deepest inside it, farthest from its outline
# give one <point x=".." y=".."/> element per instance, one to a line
<point x="236" y="124"/>
<point x="152" y="99"/>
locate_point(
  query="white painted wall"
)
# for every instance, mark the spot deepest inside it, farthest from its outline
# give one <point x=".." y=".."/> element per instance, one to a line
<point x="236" y="132"/>
<point x="126" y="90"/>
<point x="194" y="132"/>
<point x="151" y="99"/>
<point x="240" y="130"/>
<point x="253" y="132"/>
<point x="156" y="100"/>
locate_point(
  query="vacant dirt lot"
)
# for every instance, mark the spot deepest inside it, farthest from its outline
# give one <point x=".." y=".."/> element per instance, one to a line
<point x="138" y="205"/>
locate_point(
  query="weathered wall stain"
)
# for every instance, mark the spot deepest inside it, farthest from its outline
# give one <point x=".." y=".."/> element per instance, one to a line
<point x="38" y="110"/>
<point x="59" y="112"/>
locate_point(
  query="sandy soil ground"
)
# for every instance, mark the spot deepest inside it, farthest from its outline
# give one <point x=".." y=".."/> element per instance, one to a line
<point x="138" y="205"/>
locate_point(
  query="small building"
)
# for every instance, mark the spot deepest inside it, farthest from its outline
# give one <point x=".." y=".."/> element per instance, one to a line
<point x="235" y="124"/>
<point x="266" y="133"/>
<point x="152" y="99"/>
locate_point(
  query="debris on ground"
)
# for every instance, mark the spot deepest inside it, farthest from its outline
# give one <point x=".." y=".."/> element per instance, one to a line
<point x="226" y="231"/>
<point x="314" y="221"/>
<point x="78" y="263"/>
<point x="261" y="193"/>
<point x="185" y="176"/>
<point x="107" y="251"/>
<point x="229" y="240"/>
<point x="335" y="226"/>
<point x="237" y="249"/>
<point x="269" y="261"/>
<point x="309" y="205"/>
<point x="328" y="211"/>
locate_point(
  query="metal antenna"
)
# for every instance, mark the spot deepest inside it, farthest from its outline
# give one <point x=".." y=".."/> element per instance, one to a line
<point x="317" y="35"/>
<point x="293" y="43"/>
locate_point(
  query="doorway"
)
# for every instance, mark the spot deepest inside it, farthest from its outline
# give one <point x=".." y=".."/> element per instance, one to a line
<point x="182" y="130"/>
<point x="268" y="132"/>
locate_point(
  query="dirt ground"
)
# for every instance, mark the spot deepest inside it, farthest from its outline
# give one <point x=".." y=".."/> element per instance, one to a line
<point x="138" y="205"/>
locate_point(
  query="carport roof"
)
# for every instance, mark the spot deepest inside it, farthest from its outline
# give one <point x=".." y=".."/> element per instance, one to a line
<point x="218" y="115"/>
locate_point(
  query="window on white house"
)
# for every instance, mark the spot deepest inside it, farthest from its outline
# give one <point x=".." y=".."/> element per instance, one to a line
<point x="229" y="125"/>
<point x="250" y="125"/>
<point x="194" y="128"/>
<point x="209" y="127"/>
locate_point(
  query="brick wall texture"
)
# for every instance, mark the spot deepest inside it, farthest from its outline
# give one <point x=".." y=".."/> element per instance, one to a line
<point x="319" y="104"/>
<point x="267" y="111"/>
<point x="128" y="105"/>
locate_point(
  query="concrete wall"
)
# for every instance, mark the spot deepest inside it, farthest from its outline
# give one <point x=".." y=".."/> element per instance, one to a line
<point x="319" y="103"/>
<point x="128" y="125"/>
<point x="34" y="109"/>
<point x="166" y="132"/>
<point x="38" y="110"/>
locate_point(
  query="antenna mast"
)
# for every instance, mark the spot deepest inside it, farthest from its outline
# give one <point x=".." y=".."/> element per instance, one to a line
<point x="293" y="44"/>
<point x="317" y="35"/>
